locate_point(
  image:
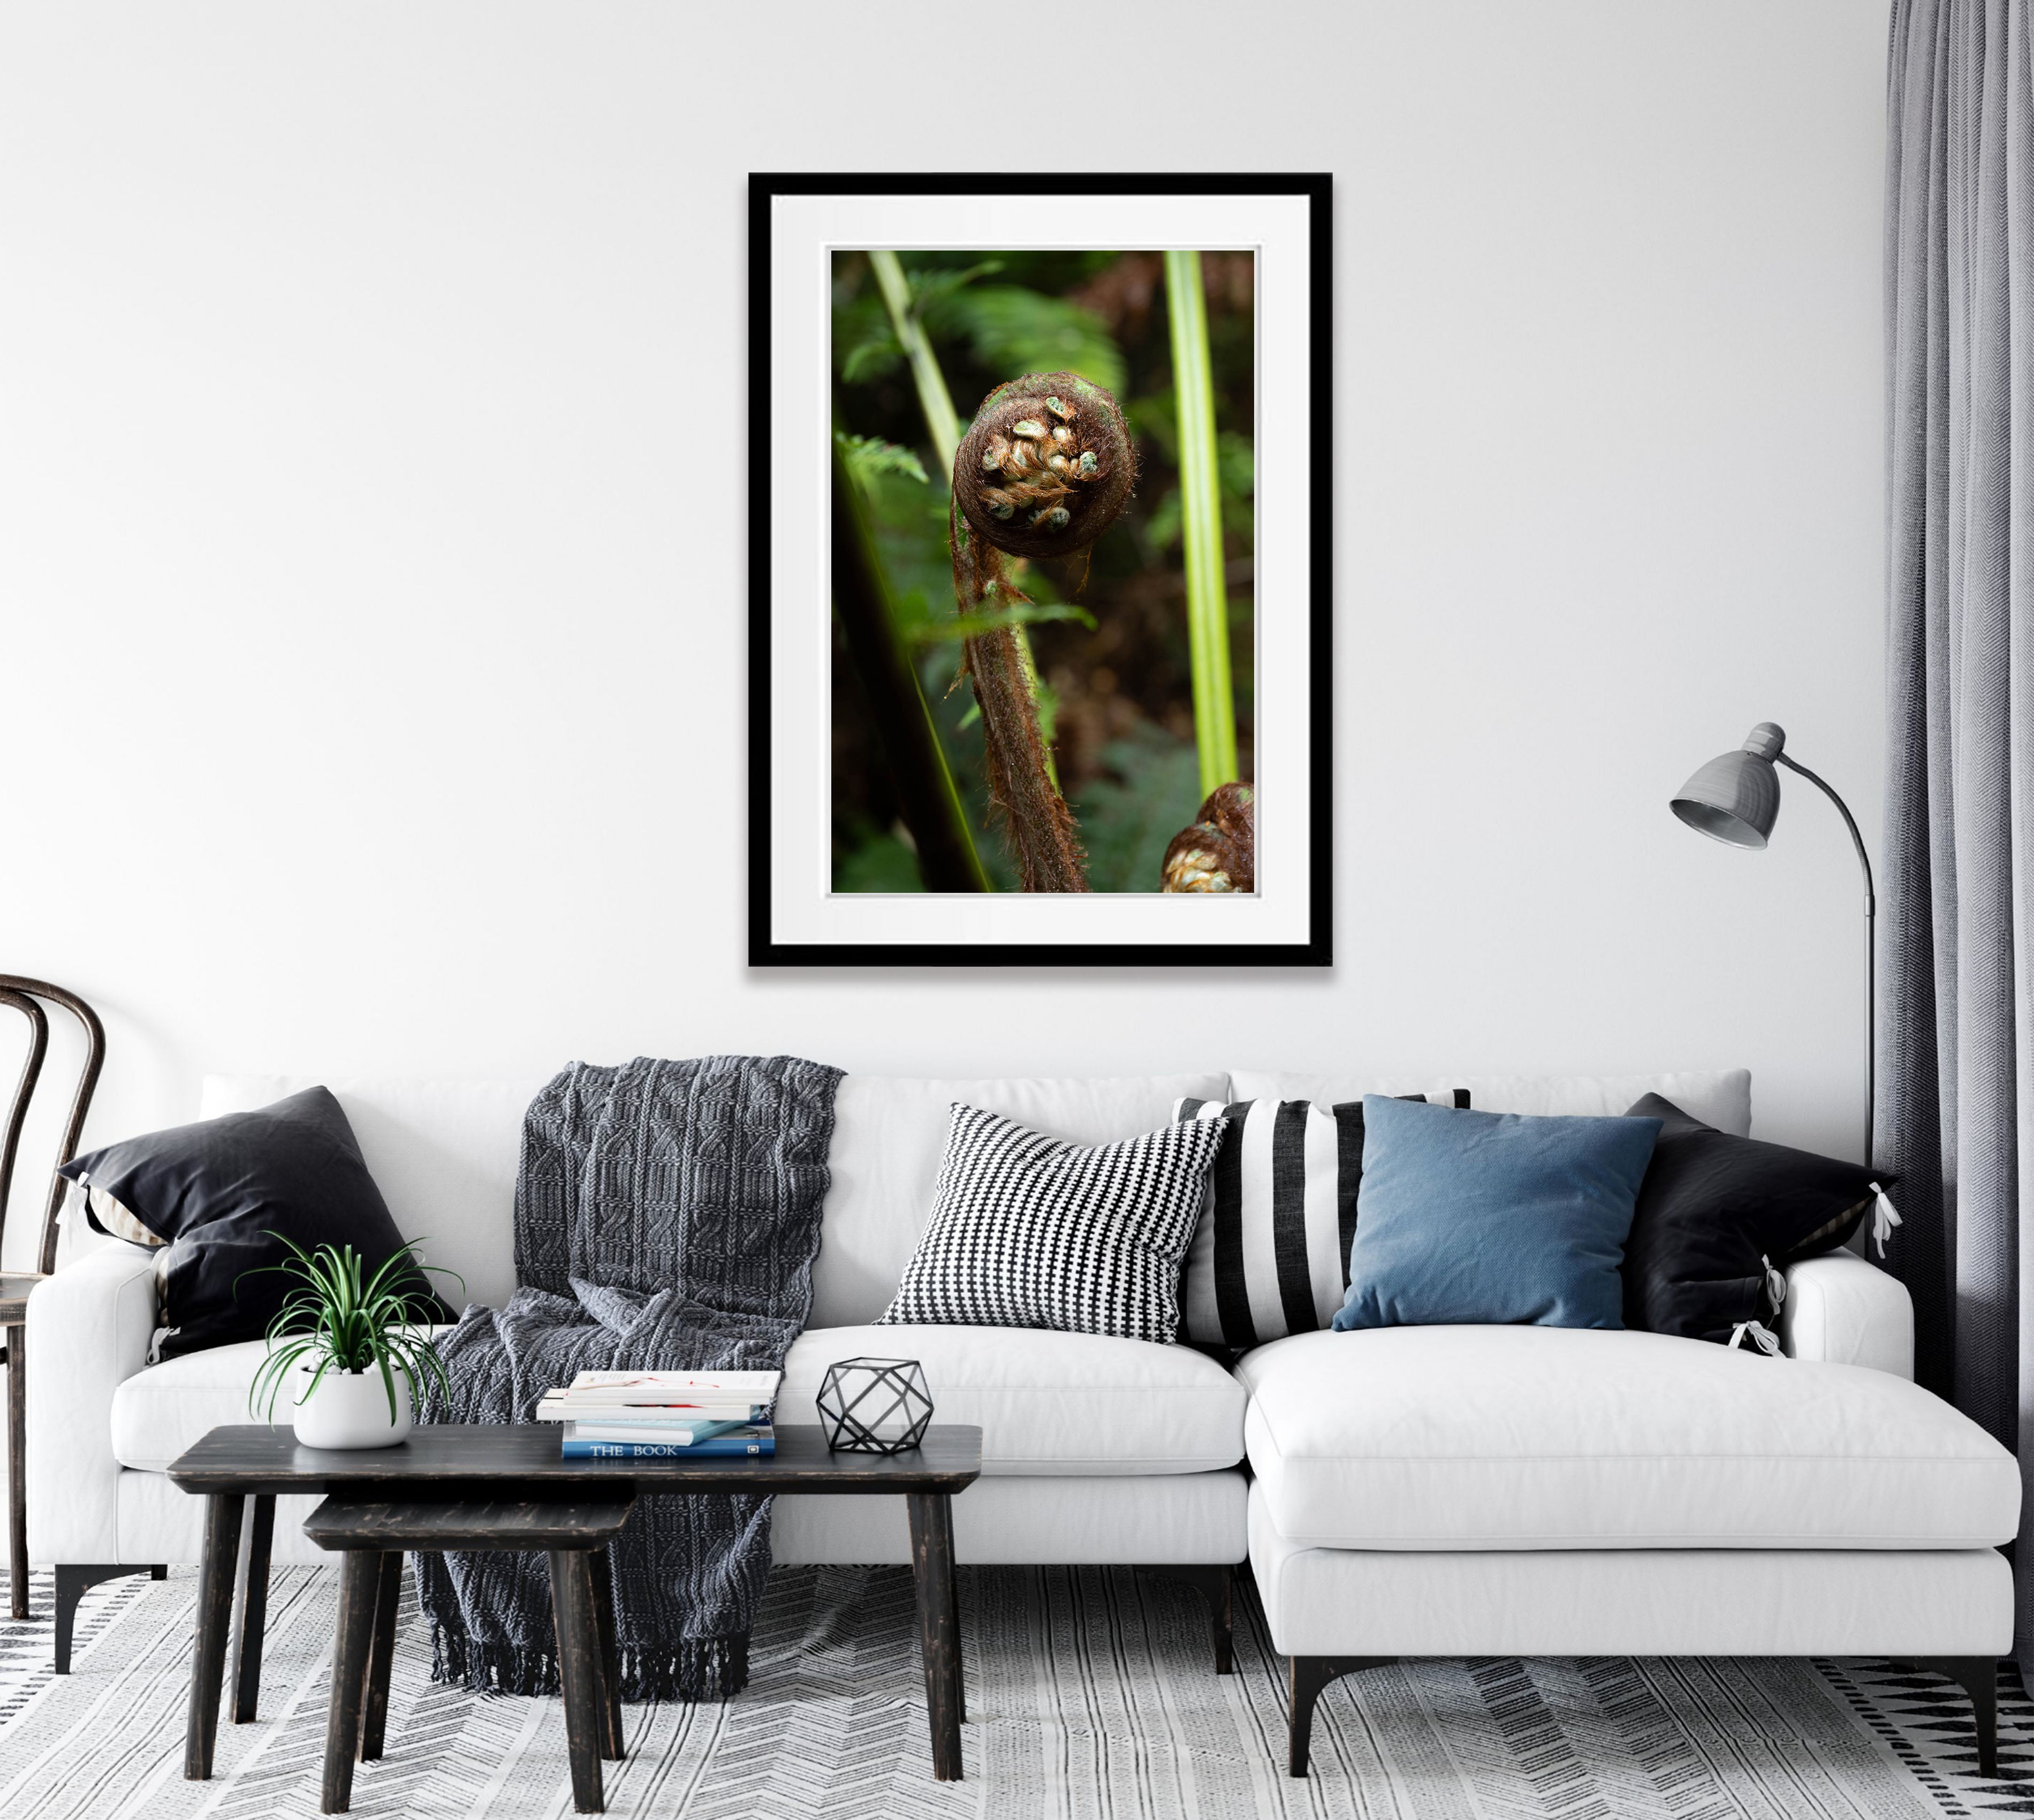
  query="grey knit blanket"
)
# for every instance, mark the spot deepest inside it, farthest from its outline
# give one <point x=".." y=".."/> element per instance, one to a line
<point x="667" y="1214"/>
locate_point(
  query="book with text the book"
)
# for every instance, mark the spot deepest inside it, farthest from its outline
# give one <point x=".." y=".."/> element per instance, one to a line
<point x="749" y="1446"/>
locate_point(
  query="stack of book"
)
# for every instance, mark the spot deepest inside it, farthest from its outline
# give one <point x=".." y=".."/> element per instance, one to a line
<point x="664" y="1415"/>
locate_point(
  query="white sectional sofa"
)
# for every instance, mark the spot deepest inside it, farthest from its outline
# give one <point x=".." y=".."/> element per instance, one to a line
<point x="1416" y="1491"/>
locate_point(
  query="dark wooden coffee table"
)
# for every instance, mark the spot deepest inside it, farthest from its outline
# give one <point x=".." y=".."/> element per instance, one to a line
<point x="455" y="1462"/>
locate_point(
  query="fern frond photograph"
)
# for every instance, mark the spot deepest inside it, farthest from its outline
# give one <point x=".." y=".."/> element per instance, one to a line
<point x="1049" y="461"/>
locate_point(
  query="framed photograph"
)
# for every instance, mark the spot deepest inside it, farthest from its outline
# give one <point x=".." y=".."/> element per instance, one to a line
<point x="1040" y="507"/>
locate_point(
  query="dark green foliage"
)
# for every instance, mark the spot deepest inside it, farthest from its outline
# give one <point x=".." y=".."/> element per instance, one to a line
<point x="1236" y="464"/>
<point x="878" y="861"/>
<point x="868" y="457"/>
<point x="1006" y="328"/>
<point x="1149" y="790"/>
<point x="1018" y="331"/>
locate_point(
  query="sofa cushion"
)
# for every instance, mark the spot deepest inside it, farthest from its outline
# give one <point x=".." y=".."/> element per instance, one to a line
<point x="1048" y="1404"/>
<point x="1719" y="1217"/>
<point x="1052" y="1405"/>
<point x="1029" y="1232"/>
<point x="1270" y="1255"/>
<point x="1468" y="1216"/>
<point x="442" y="1152"/>
<point x="163" y="1409"/>
<point x="888" y="1134"/>
<point x="1573" y="1438"/>
<point x="242" y="1199"/>
<point x="1719" y="1097"/>
<point x="160" y="1412"/>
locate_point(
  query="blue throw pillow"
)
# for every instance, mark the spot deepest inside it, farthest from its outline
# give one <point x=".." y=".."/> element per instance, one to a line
<point x="1480" y="1219"/>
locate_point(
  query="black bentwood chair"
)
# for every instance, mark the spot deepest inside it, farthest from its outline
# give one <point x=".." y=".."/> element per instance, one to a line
<point x="25" y="995"/>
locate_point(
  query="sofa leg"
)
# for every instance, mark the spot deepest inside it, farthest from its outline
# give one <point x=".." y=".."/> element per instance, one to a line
<point x="73" y="1582"/>
<point x="1307" y="1675"/>
<point x="1216" y="1584"/>
<point x="1978" y="1676"/>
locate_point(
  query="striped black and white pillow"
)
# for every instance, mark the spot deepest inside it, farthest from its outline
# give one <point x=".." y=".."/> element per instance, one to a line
<point x="1030" y="1231"/>
<point x="1270" y="1255"/>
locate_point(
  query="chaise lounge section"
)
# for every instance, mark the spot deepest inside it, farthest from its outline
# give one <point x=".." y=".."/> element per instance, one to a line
<point x="1555" y="1492"/>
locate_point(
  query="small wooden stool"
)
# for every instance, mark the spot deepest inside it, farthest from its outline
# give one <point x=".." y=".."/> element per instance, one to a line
<point x="374" y="1536"/>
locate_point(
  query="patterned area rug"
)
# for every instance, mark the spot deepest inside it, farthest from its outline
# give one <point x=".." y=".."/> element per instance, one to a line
<point x="1089" y="1695"/>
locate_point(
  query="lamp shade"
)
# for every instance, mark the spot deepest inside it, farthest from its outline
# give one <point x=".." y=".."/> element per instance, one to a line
<point x="1736" y="798"/>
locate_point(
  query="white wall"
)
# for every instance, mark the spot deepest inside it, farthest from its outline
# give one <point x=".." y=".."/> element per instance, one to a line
<point x="372" y="521"/>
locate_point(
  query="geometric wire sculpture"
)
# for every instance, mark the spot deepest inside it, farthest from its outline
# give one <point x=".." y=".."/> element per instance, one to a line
<point x="875" y="1405"/>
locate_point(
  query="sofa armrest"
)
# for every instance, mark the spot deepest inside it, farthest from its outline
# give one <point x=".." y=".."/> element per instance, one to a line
<point x="1842" y="1311"/>
<point x="89" y="1326"/>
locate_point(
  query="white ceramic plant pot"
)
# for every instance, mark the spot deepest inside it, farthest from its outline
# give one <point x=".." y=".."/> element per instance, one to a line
<point x="348" y="1409"/>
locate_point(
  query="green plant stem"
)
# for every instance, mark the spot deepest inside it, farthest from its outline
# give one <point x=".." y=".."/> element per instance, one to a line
<point x="934" y="399"/>
<point x="927" y="794"/>
<point x="1200" y="515"/>
<point x="942" y="423"/>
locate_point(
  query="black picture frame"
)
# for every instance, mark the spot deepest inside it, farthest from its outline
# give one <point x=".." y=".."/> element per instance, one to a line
<point x="1316" y="949"/>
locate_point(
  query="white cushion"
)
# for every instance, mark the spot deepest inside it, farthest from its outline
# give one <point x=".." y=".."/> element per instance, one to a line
<point x="165" y="1408"/>
<point x="888" y="1134"/>
<point x="442" y="1152"/>
<point x="1048" y="1404"/>
<point x="1628" y="1602"/>
<point x="1721" y="1096"/>
<point x="1439" y="1438"/>
<point x="1189" y="1517"/>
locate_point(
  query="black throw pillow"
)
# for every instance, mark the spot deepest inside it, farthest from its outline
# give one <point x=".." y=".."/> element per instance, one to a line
<point x="1715" y="1212"/>
<point x="219" y="1191"/>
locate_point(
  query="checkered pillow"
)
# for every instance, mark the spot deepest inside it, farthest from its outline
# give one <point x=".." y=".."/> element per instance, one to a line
<point x="1029" y="1232"/>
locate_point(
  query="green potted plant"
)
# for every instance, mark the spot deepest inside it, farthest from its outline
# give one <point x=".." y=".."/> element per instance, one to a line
<point x="350" y="1348"/>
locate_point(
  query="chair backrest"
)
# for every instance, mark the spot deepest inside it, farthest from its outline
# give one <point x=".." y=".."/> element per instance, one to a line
<point x="23" y="995"/>
<point x="24" y="1090"/>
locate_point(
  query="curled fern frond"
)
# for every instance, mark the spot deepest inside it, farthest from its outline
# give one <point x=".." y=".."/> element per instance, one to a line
<point x="1046" y="467"/>
<point x="1218" y="852"/>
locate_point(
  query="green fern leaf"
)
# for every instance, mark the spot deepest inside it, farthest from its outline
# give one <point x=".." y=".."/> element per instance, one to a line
<point x="869" y="456"/>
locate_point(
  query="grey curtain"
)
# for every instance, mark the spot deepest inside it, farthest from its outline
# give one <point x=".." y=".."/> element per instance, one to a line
<point x="1955" y="1109"/>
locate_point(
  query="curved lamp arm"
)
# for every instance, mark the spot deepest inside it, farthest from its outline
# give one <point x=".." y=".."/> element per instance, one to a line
<point x="1870" y="948"/>
<point x="1850" y="822"/>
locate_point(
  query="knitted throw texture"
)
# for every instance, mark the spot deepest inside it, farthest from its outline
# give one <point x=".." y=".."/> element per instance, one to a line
<point x="667" y="1214"/>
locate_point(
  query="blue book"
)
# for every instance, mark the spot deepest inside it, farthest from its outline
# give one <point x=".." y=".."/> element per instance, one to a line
<point x="721" y="1446"/>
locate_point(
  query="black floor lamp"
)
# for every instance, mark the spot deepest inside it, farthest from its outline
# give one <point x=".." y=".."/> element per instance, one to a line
<point x="1735" y="799"/>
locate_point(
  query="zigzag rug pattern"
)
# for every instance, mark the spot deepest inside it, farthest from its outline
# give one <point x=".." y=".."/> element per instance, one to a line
<point x="1090" y="1696"/>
